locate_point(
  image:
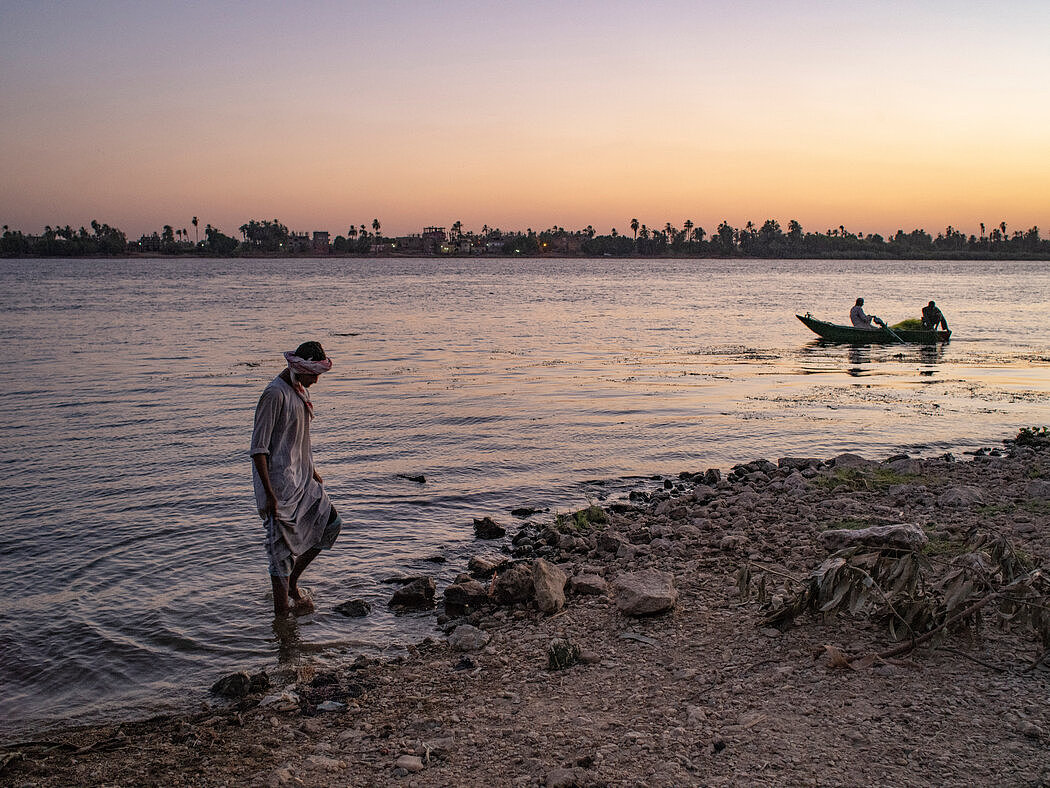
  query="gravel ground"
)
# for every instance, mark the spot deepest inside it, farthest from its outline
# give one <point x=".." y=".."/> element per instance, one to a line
<point x="700" y="695"/>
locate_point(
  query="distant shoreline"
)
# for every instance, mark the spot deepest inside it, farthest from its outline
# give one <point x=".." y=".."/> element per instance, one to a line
<point x="944" y="257"/>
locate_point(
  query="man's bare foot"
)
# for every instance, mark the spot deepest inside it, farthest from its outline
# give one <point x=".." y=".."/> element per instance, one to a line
<point x="302" y="606"/>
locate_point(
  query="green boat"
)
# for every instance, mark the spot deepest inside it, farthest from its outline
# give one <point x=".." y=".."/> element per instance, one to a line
<point x="832" y="332"/>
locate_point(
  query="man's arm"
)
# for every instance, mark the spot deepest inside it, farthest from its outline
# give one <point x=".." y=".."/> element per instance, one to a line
<point x="262" y="467"/>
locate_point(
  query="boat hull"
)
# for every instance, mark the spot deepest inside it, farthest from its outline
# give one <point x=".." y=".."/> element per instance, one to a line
<point x="832" y="332"/>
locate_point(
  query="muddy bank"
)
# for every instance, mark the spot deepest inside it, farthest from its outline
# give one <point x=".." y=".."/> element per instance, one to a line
<point x="673" y="680"/>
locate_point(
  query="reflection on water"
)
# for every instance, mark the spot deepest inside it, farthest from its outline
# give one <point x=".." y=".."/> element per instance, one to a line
<point x="548" y="384"/>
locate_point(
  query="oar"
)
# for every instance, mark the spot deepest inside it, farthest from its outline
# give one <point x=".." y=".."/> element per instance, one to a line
<point x="889" y="330"/>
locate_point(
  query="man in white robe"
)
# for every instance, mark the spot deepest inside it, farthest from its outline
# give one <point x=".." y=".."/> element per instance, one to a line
<point x="300" y="519"/>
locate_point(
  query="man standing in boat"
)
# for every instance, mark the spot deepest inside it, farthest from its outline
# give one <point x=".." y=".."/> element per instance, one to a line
<point x="933" y="317"/>
<point x="300" y="520"/>
<point x="861" y="320"/>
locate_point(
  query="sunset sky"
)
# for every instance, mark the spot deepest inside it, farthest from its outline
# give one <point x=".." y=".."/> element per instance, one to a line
<point x="876" y="115"/>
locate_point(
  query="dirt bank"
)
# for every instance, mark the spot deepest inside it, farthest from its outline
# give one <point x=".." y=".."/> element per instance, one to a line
<point x="701" y="695"/>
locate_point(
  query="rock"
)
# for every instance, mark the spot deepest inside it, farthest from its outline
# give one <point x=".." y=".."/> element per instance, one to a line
<point x="562" y="653"/>
<point x="961" y="497"/>
<point x="324" y="762"/>
<point x="410" y="763"/>
<point x="549" y="584"/>
<point x="238" y="685"/>
<point x="731" y="542"/>
<point x="487" y="528"/>
<point x="852" y="461"/>
<point x="1038" y="488"/>
<point x="903" y="536"/>
<point x="282" y="701"/>
<point x="514" y="584"/>
<point x="567" y="778"/>
<point x="588" y="585"/>
<point x="417" y="595"/>
<point x="418" y="478"/>
<point x="470" y="593"/>
<point x="798" y="463"/>
<point x="905" y="466"/>
<point x="525" y="511"/>
<point x="645" y="593"/>
<point x="610" y="542"/>
<point x="468" y="638"/>
<point x="484" y="564"/>
<point x="354" y="608"/>
<point x="331" y="705"/>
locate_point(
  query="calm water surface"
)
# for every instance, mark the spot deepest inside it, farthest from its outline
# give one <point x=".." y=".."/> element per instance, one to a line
<point x="133" y="567"/>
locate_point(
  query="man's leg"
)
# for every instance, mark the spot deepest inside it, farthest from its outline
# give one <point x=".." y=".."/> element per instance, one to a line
<point x="280" y="595"/>
<point x="299" y="602"/>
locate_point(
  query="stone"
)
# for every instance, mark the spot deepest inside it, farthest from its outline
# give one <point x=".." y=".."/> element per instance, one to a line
<point x="487" y="528"/>
<point x="418" y="478"/>
<point x="1038" y="488"/>
<point x="645" y="593"/>
<point x="798" y="463"/>
<point x="469" y="593"/>
<point x="852" y="461"/>
<point x="354" y="608"/>
<point x="514" y="584"/>
<point x="549" y="584"/>
<point x="410" y="763"/>
<point x="484" y="564"/>
<point x="239" y="685"/>
<point x="588" y="585"/>
<point x="567" y="778"/>
<point x="236" y="685"/>
<point x="468" y="638"/>
<point x="961" y="497"/>
<point x="417" y="595"/>
<point x="610" y="542"/>
<point x="902" y="536"/>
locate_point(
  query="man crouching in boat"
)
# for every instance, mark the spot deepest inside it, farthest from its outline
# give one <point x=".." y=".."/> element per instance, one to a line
<point x="861" y="320"/>
<point x="933" y="317"/>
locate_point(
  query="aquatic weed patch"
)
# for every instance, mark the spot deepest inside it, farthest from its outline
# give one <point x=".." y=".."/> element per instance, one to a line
<point x="854" y="479"/>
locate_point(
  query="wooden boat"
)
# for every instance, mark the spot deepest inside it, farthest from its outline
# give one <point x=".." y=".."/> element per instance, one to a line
<point x="831" y="332"/>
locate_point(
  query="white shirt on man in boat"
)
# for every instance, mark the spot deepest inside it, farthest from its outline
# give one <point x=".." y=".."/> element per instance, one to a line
<point x="859" y="319"/>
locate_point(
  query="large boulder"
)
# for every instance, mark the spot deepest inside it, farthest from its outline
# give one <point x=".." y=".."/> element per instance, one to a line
<point x="549" y="584"/>
<point x="354" y="608"/>
<point x="902" y="536"/>
<point x="645" y="593"/>
<point x="514" y="584"/>
<point x="417" y="595"/>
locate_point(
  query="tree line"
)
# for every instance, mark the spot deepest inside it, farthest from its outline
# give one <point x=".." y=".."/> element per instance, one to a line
<point x="769" y="240"/>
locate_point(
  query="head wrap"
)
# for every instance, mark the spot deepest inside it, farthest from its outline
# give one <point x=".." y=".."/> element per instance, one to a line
<point x="303" y="366"/>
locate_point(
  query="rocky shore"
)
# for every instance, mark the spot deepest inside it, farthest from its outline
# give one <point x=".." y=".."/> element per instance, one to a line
<point x="647" y="643"/>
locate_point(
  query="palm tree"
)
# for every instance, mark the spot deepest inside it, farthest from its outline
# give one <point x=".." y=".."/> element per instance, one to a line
<point x="634" y="228"/>
<point x="688" y="225"/>
<point x="375" y="226"/>
<point x="196" y="233"/>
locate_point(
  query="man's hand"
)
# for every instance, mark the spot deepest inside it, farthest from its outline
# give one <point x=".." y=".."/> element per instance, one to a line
<point x="271" y="506"/>
<point x="318" y="477"/>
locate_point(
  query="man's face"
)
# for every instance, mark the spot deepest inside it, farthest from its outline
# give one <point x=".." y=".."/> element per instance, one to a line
<point x="306" y="378"/>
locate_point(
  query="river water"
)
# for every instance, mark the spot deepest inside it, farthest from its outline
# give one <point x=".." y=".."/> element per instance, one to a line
<point x="133" y="566"/>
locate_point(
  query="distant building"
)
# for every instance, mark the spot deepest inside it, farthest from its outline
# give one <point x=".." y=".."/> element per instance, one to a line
<point x="298" y="242"/>
<point x="321" y="243"/>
